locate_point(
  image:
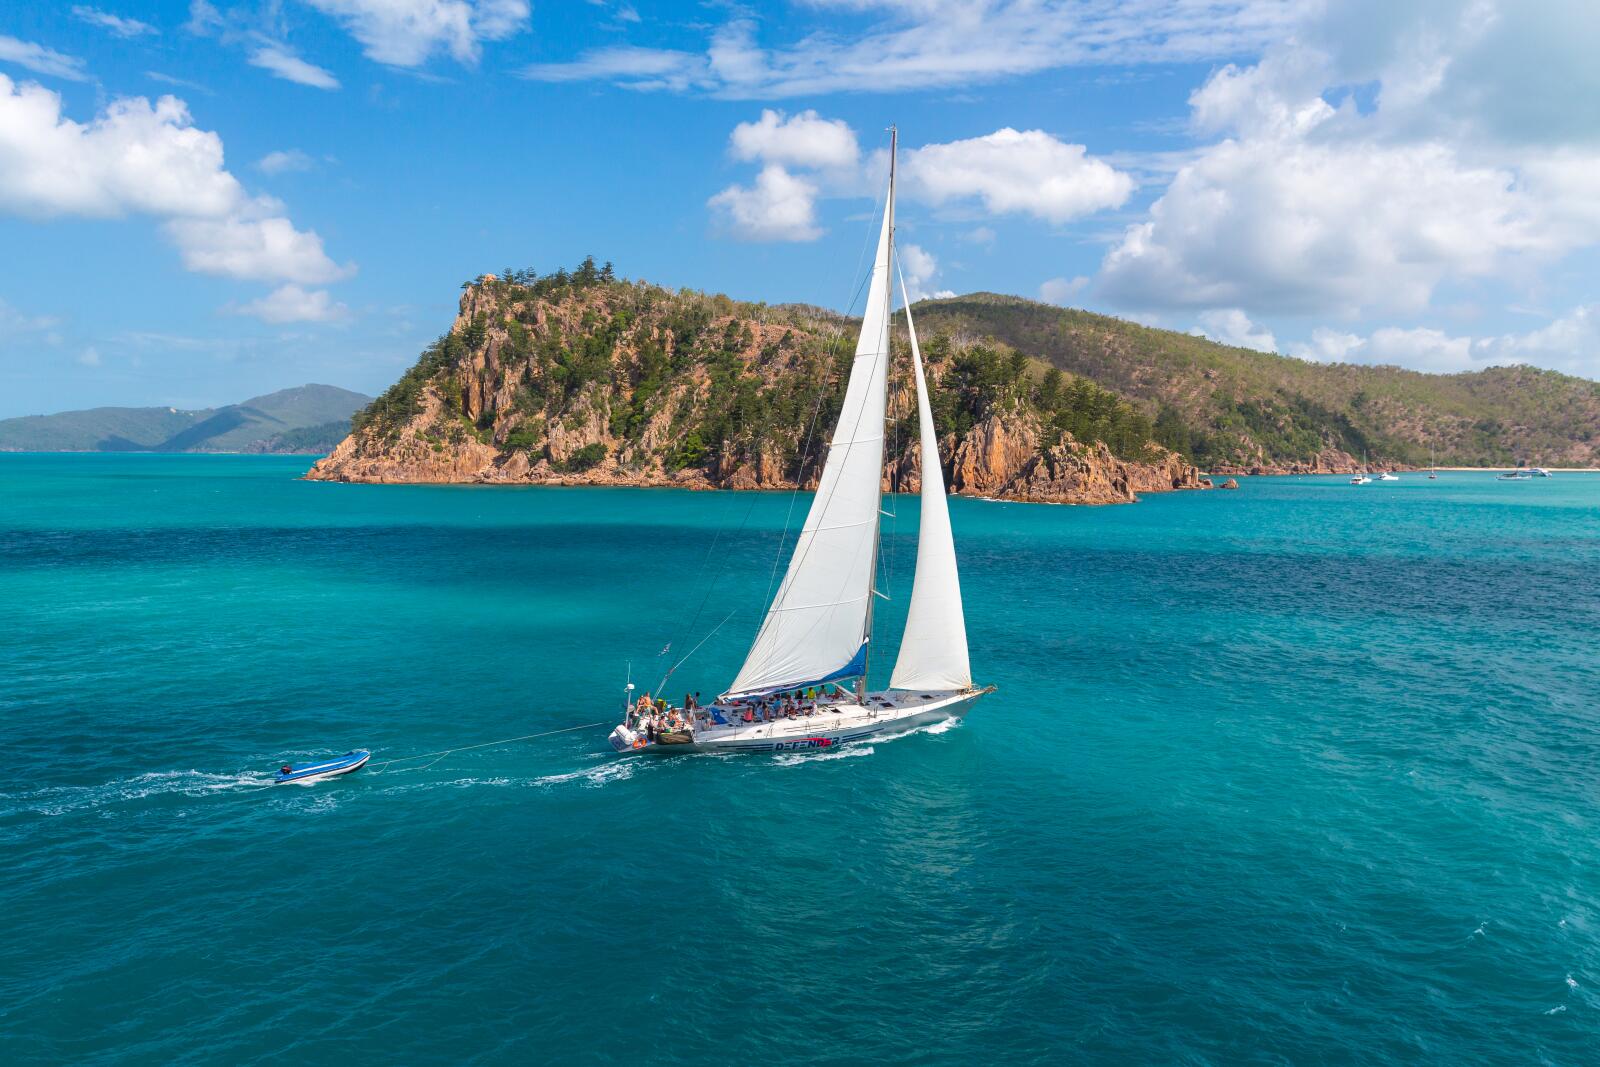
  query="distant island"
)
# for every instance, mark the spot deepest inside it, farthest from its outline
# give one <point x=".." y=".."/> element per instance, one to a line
<point x="578" y="377"/>
<point x="307" y="419"/>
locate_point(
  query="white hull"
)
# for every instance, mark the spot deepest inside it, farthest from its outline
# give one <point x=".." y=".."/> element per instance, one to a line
<point x="826" y="728"/>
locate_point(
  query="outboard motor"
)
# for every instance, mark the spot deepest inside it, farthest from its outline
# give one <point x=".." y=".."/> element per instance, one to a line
<point x="623" y="739"/>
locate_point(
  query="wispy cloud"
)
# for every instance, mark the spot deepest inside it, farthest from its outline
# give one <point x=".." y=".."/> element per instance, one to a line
<point x="262" y="37"/>
<point x="116" y="25"/>
<point x="407" y="33"/>
<point x="290" y="303"/>
<point x="283" y="161"/>
<point x="176" y="82"/>
<point x="936" y="43"/>
<point x="286" y="65"/>
<point x="41" y="60"/>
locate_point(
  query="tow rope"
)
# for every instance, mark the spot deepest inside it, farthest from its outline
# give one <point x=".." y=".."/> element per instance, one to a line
<point x="441" y="754"/>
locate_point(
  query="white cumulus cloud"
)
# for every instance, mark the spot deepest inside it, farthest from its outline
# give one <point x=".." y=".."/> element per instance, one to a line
<point x="779" y="207"/>
<point x="242" y="247"/>
<point x="291" y="303"/>
<point x="807" y="157"/>
<point x="1061" y="290"/>
<point x="919" y="267"/>
<point x="1231" y="326"/>
<point x="1320" y="198"/>
<point x="1570" y="343"/>
<point x="143" y="158"/>
<point x="805" y="140"/>
<point x="1010" y="171"/>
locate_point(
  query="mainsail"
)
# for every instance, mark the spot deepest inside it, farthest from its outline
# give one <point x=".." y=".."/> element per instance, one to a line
<point x="817" y="627"/>
<point x="933" y="652"/>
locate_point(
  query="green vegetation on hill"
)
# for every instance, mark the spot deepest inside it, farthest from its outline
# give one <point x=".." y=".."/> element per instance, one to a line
<point x="1236" y="406"/>
<point x="578" y="367"/>
<point x="307" y="418"/>
<point x="682" y="379"/>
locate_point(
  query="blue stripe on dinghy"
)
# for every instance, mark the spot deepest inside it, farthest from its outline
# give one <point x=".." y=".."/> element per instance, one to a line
<point x="303" y="770"/>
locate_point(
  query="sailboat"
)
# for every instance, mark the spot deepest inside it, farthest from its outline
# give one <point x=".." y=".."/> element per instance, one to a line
<point x="1433" y="466"/>
<point x="1361" y="476"/>
<point x="803" y="684"/>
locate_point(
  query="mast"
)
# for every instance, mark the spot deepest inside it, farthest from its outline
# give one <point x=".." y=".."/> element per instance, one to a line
<point x="877" y="525"/>
<point x="818" y="624"/>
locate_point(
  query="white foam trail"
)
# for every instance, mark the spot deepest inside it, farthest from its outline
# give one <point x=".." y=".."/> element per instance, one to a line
<point x="931" y="729"/>
<point x="1557" y="1010"/>
<point x="64" y="800"/>
<point x="611" y="771"/>
<point x="937" y="728"/>
<point x="795" y="759"/>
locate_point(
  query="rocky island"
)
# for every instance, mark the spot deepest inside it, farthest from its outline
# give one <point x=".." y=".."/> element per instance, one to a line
<point x="581" y="379"/>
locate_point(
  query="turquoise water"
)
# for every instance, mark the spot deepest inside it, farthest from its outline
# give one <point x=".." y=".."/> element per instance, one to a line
<point x="1303" y="773"/>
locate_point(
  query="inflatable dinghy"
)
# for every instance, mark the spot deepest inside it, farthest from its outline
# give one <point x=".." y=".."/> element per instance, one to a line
<point x="327" y="768"/>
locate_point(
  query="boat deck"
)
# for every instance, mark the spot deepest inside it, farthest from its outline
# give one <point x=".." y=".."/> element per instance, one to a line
<point x="832" y="722"/>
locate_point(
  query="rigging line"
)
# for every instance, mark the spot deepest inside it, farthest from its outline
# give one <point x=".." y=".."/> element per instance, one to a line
<point x="695" y="649"/>
<point x="442" y="753"/>
<point x="706" y="595"/>
<point x="805" y="449"/>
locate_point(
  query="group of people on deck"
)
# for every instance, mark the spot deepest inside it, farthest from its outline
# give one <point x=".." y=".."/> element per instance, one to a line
<point x="790" y="704"/>
<point x="652" y="717"/>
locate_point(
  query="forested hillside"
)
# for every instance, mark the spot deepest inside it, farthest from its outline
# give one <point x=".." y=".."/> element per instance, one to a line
<point x="1236" y="408"/>
<point x="580" y="377"/>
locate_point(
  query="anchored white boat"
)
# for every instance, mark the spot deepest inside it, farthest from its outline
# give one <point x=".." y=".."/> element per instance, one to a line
<point x="803" y="683"/>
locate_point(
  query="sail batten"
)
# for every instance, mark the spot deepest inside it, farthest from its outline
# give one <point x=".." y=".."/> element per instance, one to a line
<point x="817" y="625"/>
<point x="933" y="652"/>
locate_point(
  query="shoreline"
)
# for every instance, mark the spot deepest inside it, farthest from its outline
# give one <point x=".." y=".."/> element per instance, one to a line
<point x="1407" y="470"/>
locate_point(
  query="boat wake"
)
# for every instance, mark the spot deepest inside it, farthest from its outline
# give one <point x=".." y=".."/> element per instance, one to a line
<point x="796" y="759"/>
<point x="66" y="800"/>
<point x="593" y="777"/>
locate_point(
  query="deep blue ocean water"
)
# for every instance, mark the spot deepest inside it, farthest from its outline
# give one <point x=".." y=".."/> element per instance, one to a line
<point x="1303" y="773"/>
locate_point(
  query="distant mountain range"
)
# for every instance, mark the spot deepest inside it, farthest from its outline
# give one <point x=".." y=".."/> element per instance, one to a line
<point x="306" y="419"/>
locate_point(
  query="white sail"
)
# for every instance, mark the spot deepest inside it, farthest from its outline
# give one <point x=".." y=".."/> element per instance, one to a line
<point x="933" y="652"/>
<point x="816" y="628"/>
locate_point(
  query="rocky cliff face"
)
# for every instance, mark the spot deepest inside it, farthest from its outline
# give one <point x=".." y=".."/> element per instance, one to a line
<point x="614" y="384"/>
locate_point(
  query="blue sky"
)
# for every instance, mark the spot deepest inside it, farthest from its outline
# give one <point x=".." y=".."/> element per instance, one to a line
<point x="204" y="201"/>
